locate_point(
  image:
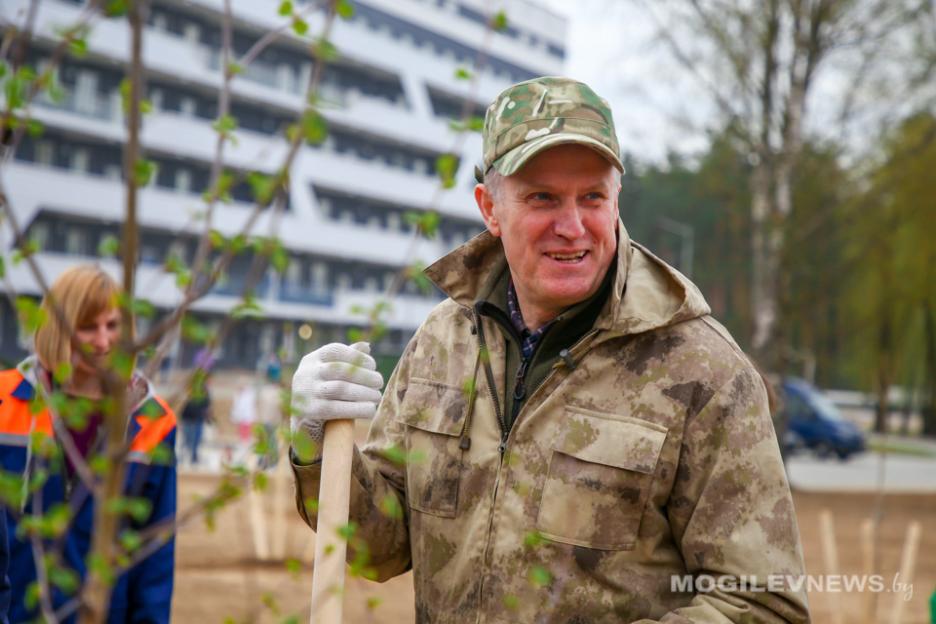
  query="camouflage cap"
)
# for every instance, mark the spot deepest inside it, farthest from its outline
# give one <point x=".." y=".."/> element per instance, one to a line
<point x="544" y="112"/>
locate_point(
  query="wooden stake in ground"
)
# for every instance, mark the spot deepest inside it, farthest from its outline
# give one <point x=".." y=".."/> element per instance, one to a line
<point x="907" y="566"/>
<point x="867" y="566"/>
<point x="258" y="524"/>
<point x="830" y="559"/>
<point x="281" y="478"/>
<point x="328" y="573"/>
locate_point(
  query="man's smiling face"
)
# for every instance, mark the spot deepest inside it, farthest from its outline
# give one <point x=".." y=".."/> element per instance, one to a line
<point x="557" y="220"/>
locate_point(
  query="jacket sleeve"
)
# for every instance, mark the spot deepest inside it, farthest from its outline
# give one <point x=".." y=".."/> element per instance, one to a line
<point x="732" y="514"/>
<point x="5" y="590"/>
<point x="378" y="502"/>
<point x="150" y="581"/>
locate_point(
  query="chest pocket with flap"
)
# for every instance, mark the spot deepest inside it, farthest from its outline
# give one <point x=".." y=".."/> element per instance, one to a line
<point x="600" y="474"/>
<point x="434" y="413"/>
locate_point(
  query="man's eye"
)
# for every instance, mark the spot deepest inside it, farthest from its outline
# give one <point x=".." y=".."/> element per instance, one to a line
<point x="596" y="196"/>
<point x="541" y="196"/>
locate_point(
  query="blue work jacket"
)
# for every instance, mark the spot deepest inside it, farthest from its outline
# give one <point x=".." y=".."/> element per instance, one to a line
<point x="144" y="592"/>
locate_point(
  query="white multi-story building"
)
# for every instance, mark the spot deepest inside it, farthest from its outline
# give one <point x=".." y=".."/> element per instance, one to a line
<point x="389" y="99"/>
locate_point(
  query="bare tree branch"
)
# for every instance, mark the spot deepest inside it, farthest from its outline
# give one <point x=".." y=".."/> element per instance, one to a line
<point x="217" y="163"/>
<point x="38" y="553"/>
<point x="19" y="42"/>
<point x="272" y="36"/>
<point x="97" y="591"/>
<point x="400" y="277"/>
<point x="279" y="181"/>
<point x="13" y="128"/>
<point x="720" y="95"/>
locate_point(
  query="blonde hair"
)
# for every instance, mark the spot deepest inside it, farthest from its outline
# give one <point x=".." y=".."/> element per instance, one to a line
<point x="81" y="293"/>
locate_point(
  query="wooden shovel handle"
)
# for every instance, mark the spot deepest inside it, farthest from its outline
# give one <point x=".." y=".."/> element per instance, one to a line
<point x="328" y="574"/>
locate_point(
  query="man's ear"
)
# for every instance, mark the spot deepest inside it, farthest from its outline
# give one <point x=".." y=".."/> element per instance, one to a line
<point x="485" y="202"/>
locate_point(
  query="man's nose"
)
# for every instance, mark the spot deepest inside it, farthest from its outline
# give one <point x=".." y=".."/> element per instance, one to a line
<point x="568" y="222"/>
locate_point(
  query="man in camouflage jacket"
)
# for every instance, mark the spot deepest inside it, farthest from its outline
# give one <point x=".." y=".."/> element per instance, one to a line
<point x="578" y="478"/>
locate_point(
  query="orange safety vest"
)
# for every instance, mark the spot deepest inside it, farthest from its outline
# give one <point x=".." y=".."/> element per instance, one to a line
<point x="17" y="418"/>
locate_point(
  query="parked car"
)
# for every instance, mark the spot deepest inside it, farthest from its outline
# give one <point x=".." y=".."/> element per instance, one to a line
<point x="813" y="422"/>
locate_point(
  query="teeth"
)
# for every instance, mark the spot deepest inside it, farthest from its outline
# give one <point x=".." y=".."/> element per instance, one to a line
<point x="574" y="256"/>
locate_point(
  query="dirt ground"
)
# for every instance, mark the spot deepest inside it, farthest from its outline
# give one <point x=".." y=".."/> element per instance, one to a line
<point x="219" y="576"/>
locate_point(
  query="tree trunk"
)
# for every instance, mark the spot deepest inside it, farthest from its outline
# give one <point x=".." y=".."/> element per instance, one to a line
<point x="884" y="376"/>
<point x="97" y="591"/>
<point x="928" y="394"/>
<point x="96" y="595"/>
<point x="763" y="277"/>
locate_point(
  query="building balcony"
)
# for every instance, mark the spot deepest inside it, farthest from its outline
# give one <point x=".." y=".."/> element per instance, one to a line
<point x="292" y="293"/>
<point x="233" y="285"/>
<point x="95" y="106"/>
<point x="32" y="186"/>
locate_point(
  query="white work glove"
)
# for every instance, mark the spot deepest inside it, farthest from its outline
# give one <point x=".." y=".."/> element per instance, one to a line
<point x="334" y="382"/>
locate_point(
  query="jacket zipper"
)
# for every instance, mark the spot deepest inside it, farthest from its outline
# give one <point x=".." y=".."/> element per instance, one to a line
<point x="520" y="390"/>
<point x="569" y="362"/>
<point x="566" y="359"/>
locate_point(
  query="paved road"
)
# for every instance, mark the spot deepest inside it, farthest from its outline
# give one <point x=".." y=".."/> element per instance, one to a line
<point x="902" y="473"/>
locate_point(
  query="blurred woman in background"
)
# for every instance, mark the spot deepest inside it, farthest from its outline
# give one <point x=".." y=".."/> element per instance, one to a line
<point x="52" y="425"/>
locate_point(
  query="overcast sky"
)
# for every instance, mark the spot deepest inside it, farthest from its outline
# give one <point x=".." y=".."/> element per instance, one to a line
<point x="659" y="107"/>
<point x="610" y="46"/>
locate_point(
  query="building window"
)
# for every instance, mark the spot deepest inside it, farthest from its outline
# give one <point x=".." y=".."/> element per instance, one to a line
<point x="305" y="73"/>
<point x="79" y="160"/>
<point x="86" y="92"/>
<point x="284" y="77"/>
<point x="45" y="153"/>
<point x="76" y="241"/>
<point x="177" y="249"/>
<point x="150" y="254"/>
<point x="293" y="276"/>
<point x="191" y="32"/>
<point x="183" y="181"/>
<point x="39" y="233"/>
<point x="187" y="106"/>
<point x="320" y="277"/>
<point x="555" y="50"/>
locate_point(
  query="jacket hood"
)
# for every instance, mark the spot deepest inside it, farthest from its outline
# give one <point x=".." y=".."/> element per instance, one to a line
<point x="647" y="293"/>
